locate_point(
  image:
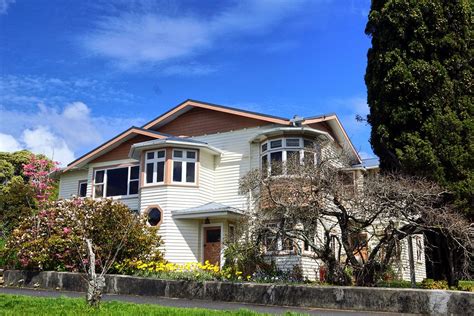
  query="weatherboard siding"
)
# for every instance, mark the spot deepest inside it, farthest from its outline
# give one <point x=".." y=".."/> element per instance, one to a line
<point x="69" y="183"/>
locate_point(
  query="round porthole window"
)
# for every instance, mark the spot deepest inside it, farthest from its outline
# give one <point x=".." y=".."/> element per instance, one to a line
<point x="154" y="216"/>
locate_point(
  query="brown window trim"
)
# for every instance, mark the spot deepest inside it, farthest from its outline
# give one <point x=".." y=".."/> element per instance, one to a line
<point x="147" y="210"/>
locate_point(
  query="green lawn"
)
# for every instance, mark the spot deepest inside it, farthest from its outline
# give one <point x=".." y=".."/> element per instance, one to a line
<point x="25" y="305"/>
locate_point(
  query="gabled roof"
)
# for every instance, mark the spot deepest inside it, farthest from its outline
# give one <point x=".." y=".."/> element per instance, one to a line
<point x="190" y="104"/>
<point x="331" y="119"/>
<point x="112" y="143"/>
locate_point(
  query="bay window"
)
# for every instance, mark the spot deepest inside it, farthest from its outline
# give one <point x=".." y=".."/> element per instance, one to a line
<point x="184" y="166"/>
<point x="122" y="181"/>
<point x="276" y="153"/>
<point x="155" y="167"/>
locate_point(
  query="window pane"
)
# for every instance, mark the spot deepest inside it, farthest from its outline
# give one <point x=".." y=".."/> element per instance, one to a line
<point x="133" y="187"/>
<point x="99" y="190"/>
<point x="264" y="164"/>
<point x="308" y="158"/>
<point x="150" y="155"/>
<point x="99" y="176"/>
<point x="82" y="189"/>
<point x="276" y="162"/>
<point x="117" y="180"/>
<point x="191" y="154"/>
<point x="160" y="172"/>
<point x="149" y="172"/>
<point x="213" y="235"/>
<point x="161" y="154"/>
<point x="275" y="143"/>
<point x="264" y="147"/>
<point x="293" y="142"/>
<point x="154" y="216"/>
<point x="177" y="169"/>
<point x="134" y="172"/>
<point x="190" y="167"/>
<point x="178" y="153"/>
<point x="293" y="161"/>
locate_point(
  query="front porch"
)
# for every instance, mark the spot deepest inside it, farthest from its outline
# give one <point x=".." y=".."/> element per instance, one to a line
<point x="216" y="224"/>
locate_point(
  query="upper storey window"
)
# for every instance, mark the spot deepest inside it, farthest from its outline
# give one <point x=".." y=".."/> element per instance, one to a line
<point x="277" y="152"/>
<point x="122" y="181"/>
<point x="155" y="167"/>
<point x="184" y="166"/>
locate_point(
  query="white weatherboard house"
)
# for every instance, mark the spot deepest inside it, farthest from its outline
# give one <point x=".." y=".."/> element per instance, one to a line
<point x="182" y="170"/>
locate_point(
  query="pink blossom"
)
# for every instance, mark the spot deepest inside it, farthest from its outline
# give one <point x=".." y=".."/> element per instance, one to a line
<point x="66" y="230"/>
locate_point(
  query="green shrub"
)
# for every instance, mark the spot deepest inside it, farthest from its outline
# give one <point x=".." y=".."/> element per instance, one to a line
<point x="54" y="238"/>
<point x="466" y="286"/>
<point x="394" y="284"/>
<point x="434" y="285"/>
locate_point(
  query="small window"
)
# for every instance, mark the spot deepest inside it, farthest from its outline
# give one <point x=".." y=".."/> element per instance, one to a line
<point x="275" y="144"/>
<point x="184" y="166"/>
<point x="264" y="147"/>
<point x="276" y="159"/>
<point x="82" y="190"/>
<point x="292" y="142"/>
<point x="177" y="171"/>
<point x="155" y="166"/>
<point x="154" y="216"/>
<point x="308" y="143"/>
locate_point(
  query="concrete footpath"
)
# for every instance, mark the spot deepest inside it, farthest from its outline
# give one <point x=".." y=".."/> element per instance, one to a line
<point x="186" y="303"/>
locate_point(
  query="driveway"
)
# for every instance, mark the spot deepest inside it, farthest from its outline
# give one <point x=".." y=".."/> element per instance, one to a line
<point x="215" y="305"/>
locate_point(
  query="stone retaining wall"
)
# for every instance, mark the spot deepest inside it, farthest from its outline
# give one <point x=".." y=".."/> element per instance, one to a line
<point x="331" y="297"/>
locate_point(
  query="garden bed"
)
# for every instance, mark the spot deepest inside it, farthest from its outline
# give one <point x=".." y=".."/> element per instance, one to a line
<point x="331" y="297"/>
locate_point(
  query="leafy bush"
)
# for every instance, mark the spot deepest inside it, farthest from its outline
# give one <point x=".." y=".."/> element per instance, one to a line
<point x="245" y="257"/>
<point x="434" y="285"/>
<point x="466" y="286"/>
<point x="54" y="239"/>
<point x="394" y="284"/>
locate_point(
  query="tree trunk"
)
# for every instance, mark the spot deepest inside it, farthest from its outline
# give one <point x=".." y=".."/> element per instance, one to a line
<point x="96" y="282"/>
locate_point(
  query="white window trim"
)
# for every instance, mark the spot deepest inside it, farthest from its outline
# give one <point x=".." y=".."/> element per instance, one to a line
<point x="184" y="161"/>
<point x="154" y="160"/>
<point x="104" y="183"/>
<point x="284" y="149"/>
<point x="81" y="182"/>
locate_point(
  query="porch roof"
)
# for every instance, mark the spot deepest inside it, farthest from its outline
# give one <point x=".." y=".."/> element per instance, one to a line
<point x="211" y="209"/>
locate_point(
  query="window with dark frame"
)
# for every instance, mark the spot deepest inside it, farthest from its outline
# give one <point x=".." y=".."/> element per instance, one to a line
<point x="82" y="189"/>
<point x="122" y="181"/>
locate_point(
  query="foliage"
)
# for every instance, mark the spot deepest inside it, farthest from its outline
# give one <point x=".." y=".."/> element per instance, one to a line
<point x="434" y="285"/>
<point x="420" y="90"/>
<point x="193" y="271"/>
<point x="19" y="189"/>
<point x="242" y="255"/>
<point x="17" y="200"/>
<point x="54" y="239"/>
<point x="38" y="171"/>
<point x="26" y="305"/>
<point x="466" y="286"/>
<point x="395" y="284"/>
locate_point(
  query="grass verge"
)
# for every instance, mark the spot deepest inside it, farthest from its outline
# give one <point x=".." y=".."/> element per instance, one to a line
<point x="26" y="305"/>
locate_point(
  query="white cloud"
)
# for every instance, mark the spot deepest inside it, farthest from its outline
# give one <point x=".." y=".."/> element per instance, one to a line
<point x="59" y="133"/>
<point x="30" y="90"/>
<point x="41" y="141"/>
<point x="142" y="36"/>
<point x="4" y="4"/>
<point x="191" y="69"/>
<point x="9" y="143"/>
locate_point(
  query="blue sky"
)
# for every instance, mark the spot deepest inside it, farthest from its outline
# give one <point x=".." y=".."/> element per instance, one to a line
<point x="75" y="73"/>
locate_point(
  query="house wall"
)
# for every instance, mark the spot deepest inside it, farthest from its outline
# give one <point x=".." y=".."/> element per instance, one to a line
<point x="69" y="183"/>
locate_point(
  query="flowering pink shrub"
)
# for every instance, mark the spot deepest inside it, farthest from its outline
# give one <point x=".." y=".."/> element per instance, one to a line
<point x="38" y="170"/>
<point x="54" y="238"/>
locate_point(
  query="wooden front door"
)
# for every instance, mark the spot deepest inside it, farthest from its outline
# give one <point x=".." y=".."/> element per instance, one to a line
<point x="212" y="244"/>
